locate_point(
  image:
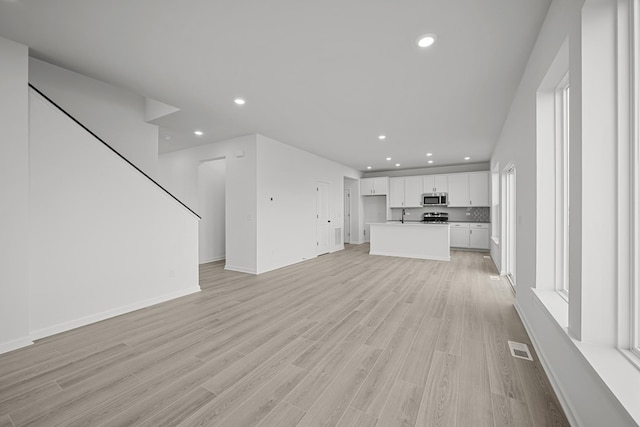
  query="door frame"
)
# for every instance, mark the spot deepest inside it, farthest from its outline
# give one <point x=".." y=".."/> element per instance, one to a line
<point x="346" y="232"/>
<point x="328" y="184"/>
<point x="509" y="223"/>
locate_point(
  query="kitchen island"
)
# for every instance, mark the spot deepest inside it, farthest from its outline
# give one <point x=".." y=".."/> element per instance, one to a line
<point x="410" y="240"/>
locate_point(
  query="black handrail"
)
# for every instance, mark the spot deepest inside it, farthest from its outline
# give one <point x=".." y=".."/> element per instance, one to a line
<point x="111" y="148"/>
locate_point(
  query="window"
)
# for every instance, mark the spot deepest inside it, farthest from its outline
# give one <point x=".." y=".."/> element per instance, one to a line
<point x="562" y="186"/>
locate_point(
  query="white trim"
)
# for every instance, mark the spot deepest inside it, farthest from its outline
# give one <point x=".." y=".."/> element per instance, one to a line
<point x="66" y="326"/>
<point x="240" y="269"/>
<point x="634" y="146"/>
<point x="561" y="119"/>
<point x="214" y="259"/>
<point x="15" y="344"/>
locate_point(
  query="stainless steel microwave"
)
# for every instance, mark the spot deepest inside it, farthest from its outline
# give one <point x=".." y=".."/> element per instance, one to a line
<point x="435" y="199"/>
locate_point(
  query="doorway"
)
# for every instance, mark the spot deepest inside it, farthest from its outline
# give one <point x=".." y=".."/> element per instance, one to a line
<point x="347" y="215"/>
<point x="211" y="207"/>
<point x="323" y="217"/>
<point x="509" y="224"/>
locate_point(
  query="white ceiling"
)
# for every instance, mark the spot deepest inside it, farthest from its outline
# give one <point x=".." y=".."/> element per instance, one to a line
<point x="326" y="76"/>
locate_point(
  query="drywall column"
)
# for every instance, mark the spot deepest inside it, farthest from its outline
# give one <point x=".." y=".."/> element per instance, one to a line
<point x="14" y="188"/>
<point x="592" y="307"/>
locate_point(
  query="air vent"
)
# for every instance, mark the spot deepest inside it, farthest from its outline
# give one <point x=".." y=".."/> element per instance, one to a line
<point x="520" y="350"/>
<point x="486" y="257"/>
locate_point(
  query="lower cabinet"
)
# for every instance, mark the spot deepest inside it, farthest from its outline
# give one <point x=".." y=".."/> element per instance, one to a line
<point x="471" y="235"/>
<point x="459" y="237"/>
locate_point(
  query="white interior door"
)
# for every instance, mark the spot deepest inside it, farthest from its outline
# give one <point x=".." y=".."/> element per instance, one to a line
<point x="323" y="218"/>
<point x="347" y="215"/>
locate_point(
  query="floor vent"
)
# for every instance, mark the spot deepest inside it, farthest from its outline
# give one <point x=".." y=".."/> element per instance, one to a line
<point x="519" y="350"/>
<point x="486" y="257"/>
<point x="494" y="277"/>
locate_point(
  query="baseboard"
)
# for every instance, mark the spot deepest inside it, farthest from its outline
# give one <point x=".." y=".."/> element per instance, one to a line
<point x="566" y="406"/>
<point x="239" y="269"/>
<point x="214" y="259"/>
<point x="66" y="326"/>
<point x="15" y="344"/>
<point x="356" y="242"/>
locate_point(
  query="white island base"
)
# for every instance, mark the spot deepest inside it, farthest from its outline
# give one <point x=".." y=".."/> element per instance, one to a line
<point x="410" y="240"/>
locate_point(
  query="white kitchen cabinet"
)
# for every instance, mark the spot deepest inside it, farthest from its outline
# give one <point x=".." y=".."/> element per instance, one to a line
<point x="478" y="188"/>
<point x="469" y="189"/>
<point x="469" y="235"/>
<point x="405" y="192"/>
<point x="459" y="235"/>
<point x="458" y="190"/>
<point x="479" y="236"/>
<point x="435" y="183"/>
<point x="413" y="191"/>
<point x="396" y="192"/>
<point x="378" y="186"/>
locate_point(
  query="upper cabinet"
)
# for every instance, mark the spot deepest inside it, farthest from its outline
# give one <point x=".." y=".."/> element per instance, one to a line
<point x="435" y="183"/>
<point x="378" y="186"/>
<point x="479" y="189"/>
<point x="405" y="192"/>
<point x="469" y="189"/>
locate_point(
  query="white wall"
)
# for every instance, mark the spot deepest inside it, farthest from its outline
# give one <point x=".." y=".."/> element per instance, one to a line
<point x="588" y="399"/>
<point x="103" y="238"/>
<point x="286" y="200"/>
<point x="211" y="208"/>
<point x="178" y="173"/>
<point x="115" y="115"/>
<point x="14" y="185"/>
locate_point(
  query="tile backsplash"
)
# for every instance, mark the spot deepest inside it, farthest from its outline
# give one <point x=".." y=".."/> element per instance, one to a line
<point x="455" y="214"/>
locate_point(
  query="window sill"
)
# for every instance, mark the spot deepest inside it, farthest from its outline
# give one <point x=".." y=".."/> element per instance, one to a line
<point x="616" y="368"/>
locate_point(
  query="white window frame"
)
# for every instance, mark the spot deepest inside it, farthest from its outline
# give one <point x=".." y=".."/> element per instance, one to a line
<point x="635" y="179"/>
<point x="562" y="100"/>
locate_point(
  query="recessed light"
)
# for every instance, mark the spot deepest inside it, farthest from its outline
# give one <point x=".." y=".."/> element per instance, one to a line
<point x="388" y="158"/>
<point x="397" y="164"/>
<point x="426" y="40"/>
<point x="368" y="167"/>
<point x="199" y="132"/>
<point x="239" y="101"/>
<point x="382" y="137"/>
<point x="430" y="161"/>
<point x="467" y="158"/>
<point x="429" y="154"/>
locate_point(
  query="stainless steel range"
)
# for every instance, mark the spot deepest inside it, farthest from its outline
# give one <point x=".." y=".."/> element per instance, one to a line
<point x="435" y="217"/>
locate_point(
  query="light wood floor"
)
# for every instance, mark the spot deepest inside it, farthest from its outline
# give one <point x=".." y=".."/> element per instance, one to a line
<point x="346" y="339"/>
